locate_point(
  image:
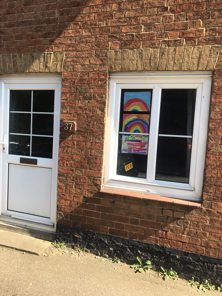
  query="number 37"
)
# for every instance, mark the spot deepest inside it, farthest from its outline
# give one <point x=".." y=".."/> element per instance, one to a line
<point x="69" y="126"/>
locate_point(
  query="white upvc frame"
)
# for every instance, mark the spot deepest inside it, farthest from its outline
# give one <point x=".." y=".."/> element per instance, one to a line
<point x="30" y="82"/>
<point x="156" y="81"/>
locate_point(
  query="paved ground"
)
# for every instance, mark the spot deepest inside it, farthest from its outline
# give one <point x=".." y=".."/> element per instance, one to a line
<point x="62" y="272"/>
<point x="22" y="242"/>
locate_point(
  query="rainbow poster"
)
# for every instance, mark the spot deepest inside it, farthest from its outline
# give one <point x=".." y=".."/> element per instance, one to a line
<point x="135" y="144"/>
<point x="135" y="123"/>
<point x="137" y="101"/>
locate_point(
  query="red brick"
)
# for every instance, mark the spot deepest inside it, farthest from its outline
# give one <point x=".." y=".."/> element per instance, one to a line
<point x="168" y="213"/>
<point x="134" y="228"/>
<point x="115" y="218"/>
<point x="177" y="237"/>
<point x="118" y="232"/>
<point x="150" y="224"/>
<point x="195" y="24"/>
<point x="131" y="29"/>
<point x="176" y="26"/>
<point x="175" y="245"/>
<point x="212" y="252"/>
<point x="192" y="33"/>
<point x="212" y="244"/>
<point x="173" y="42"/>
<point x="168" y="18"/>
<point x="173" y="34"/>
<point x="134" y="221"/>
<point x="178" y="214"/>
<point x="194" y="249"/>
<point x="180" y="17"/>
<point x="120" y="226"/>
<point x="217" y="206"/>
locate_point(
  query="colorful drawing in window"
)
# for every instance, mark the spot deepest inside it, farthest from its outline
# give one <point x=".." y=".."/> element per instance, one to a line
<point x="134" y="144"/>
<point x="137" y="101"/>
<point x="135" y="123"/>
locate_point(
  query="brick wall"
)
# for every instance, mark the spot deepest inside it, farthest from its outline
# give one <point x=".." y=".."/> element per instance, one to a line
<point x="84" y="33"/>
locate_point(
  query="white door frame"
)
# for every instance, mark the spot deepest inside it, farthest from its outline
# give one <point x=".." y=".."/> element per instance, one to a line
<point x="32" y="82"/>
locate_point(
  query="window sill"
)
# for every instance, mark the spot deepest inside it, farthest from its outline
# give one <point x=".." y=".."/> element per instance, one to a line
<point x="149" y="196"/>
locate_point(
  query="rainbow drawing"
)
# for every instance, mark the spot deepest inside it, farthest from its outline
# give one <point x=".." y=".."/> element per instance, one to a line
<point x="136" y="104"/>
<point x="135" y="123"/>
<point x="137" y="101"/>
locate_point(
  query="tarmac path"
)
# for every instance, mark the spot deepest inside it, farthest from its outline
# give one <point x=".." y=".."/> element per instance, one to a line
<point x="80" y="274"/>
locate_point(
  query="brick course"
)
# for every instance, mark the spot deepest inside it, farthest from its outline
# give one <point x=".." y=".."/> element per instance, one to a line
<point x="84" y="41"/>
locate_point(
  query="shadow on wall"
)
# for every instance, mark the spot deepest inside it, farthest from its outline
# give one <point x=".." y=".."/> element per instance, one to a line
<point x="35" y="27"/>
<point x="149" y="221"/>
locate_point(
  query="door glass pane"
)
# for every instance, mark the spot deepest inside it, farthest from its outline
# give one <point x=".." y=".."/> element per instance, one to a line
<point x="42" y="124"/>
<point x="43" y="100"/>
<point x="19" y="123"/>
<point x="177" y="111"/>
<point x="26" y="117"/>
<point x="19" y="145"/>
<point x="173" y="159"/>
<point x="42" y="147"/>
<point x="20" y="100"/>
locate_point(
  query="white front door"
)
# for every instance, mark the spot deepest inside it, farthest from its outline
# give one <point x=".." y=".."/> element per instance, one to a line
<point x="30" y="148"/>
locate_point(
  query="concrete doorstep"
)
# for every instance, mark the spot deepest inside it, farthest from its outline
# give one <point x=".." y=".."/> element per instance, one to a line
<point x="22" y="242"/>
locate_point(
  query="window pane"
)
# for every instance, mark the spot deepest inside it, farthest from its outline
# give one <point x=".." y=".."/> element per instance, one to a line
<point x="43" y="100"/>
<point x="173" y="159"/>
<point x="177" y="111"/>
<point x="42" y="147"/>
<point x="20" y="100"/>
<point x="42" y="124"/>
<point x="132" y="165"/>
<point x="134" y="133"/>
<point x="19" y="123"/>
<point x="19" y="145"/>
<point x="132" y="159"/>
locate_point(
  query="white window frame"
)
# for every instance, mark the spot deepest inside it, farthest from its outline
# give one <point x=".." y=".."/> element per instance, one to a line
<point x="201" y="81"/>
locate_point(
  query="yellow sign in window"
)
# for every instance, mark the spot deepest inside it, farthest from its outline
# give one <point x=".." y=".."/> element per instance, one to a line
<point x="128" y="166"/>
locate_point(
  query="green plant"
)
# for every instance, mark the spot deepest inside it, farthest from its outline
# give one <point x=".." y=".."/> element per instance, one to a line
<point x="206" y="285"/>
<point x="219" y="288"/>
<point x="193" y="282"/>
<point x="203" y="286"/>
<point x="142" y="266"/>
<point x="116" y="260"/>
<point x="168" y="273"/>
<point x="59" y="244"/>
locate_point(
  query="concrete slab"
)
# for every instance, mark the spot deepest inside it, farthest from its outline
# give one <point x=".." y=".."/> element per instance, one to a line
<point x="24" y="243"/>
<point x="32" y="230"/>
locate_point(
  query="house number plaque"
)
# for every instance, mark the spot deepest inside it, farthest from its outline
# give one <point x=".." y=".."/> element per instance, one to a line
<point x="70" y="126"/>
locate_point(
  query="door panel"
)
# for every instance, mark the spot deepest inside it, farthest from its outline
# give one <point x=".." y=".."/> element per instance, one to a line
<point x="29" y="190"/>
